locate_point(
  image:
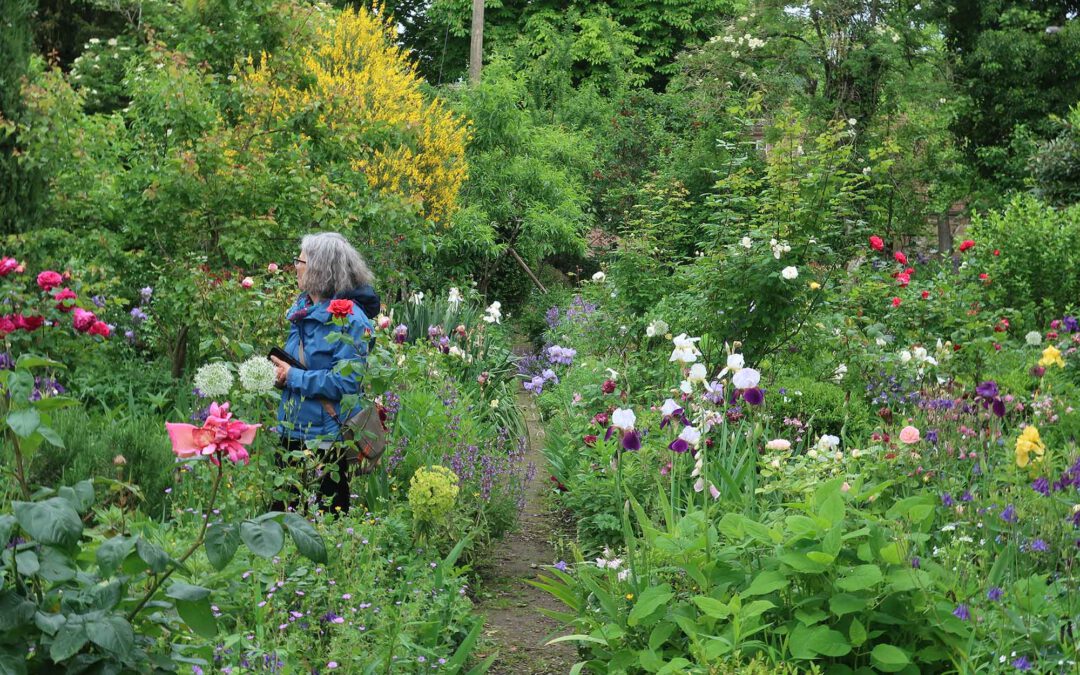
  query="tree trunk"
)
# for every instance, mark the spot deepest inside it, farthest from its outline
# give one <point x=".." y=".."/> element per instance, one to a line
<point x="476" y="44"/>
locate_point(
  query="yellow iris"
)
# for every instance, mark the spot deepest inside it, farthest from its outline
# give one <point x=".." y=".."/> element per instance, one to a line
<point x="1051" y="356"/>
<point x="1029" y="442"/>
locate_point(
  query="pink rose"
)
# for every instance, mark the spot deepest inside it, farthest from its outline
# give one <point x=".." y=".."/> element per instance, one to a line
<point x="220" y="434"/>
<point x="49" y="280"/>
<point x="909" y="435"/>
<point x="61" y="298"/>
<point x="272" y="267"/>
<point x="83" y="320"/>
<point x="6" y="325"/>
<point x="7" y="266"/>
<point x="247" y="282"/>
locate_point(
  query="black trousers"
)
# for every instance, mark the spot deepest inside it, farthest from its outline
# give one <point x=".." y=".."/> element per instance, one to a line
<point x="334" y="494"/>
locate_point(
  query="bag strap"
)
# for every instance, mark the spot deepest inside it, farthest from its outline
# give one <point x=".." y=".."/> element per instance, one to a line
<point x="327" y="405"/>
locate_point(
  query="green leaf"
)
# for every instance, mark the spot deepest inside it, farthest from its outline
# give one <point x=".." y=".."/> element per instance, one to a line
<point x="857" y="632"/>
<point x="81" y="495"/>
<point x="26" y="562"/>
<point x="891" y="553"/>
<point x="56" y="566"/>
<point x="51" y="403"/>
<point x="70" y="639"/>
<point x="29" y="362"/>
<point x="889" y="658"/>
<point x="7" y="523"/>
<point x="49" y="623"/>
<point x="307" y="540"/>
<point x="652" y="598"/>
<point x="113" y="552"/>
<point x="712" y="607"/>
<point x="755" y="608"/>
<point x="24" y="422"/>
<point x="12" y="661"/>
<point x="767" y="582"/>
<point x="860" y="578"/>
<point x="113" y="634"/>
<point x="264" y="539"/>
<point x="15" y="610"/>
<point x="198" y="615"/>
<point x="808" y="641"/>
<point x="50" y="434"/>
<point x="222" y="540"/>
<point x="182" y="591"/>
<point x="845" y="603"/>
<point x="153" y="555"/>
<point x="53" y="521"/>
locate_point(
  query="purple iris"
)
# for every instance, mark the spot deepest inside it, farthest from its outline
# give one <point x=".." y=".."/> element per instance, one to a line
<point x="998" y="406"/>
<point x="631" y="440"/>
<point x="679" y="445"/>
<point x="753" y="396"/>
<point x="988" y="389"/>
<point x="932" y="436"/>
<point x="1039" y="545"/>
<point x="401" y="333"/>
<point x="1071" y="324"/>
<point x="6" y="362"/>
<point x="562" y="566"/>
<point x="137" y="315"/>
<point x="1041" y="485"/>
<point x="145" y="293"/>
<point x="947" y="500"/>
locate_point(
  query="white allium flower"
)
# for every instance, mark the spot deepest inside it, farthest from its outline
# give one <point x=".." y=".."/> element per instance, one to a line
<point x="790" y="272"/>
<point x="214" y="380"/>
<point x="658" y="327"/>
<point x="257" y="374"/>
<point x="1034" y="338"/>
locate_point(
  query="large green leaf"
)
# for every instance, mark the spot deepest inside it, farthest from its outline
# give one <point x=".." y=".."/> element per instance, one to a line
<point x="53" y="521"/>
<point x="264" y="539"/>
<point x="889" y="658"/>
<point x="69" y="640"/>
<point x="81" y="495"/>
<point x="15" y="610"/>
<point x="26" y="562"/>
<point x="153" y="555"/>
<point x="7" y="523"/>
<point x="24" y="422"/>
<point x="182" y="591"/>
<point x="846" y="603"/>
<point x="198" y="615"/>
<point x="307" y="540"/>
<point x="712" y="607"/>
<point x="652" y="598"/>
<point x="766" y="582"/>
<point x="860" y="577"/>
<point x="222" y="540"/>
<point x="113" y="634"/>
<point x="112" y="553"/>
<point x="56" y="566"/>
<point x="12" y="661"/>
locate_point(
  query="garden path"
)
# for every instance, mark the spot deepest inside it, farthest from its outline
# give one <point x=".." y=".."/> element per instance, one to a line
<point x="514" y="626"/>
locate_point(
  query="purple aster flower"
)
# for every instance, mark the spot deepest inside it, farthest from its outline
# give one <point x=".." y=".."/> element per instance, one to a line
<point x="1022" y="663"/>
<point x="962" y="612"/>
<point x="1009" y="514"/>
<point x="1041" y="485"/>
<point x="994" y="594"/>
<point x="1039" y="545"/>
<point x="947" y="500"/>
<point x="988" y="389"/>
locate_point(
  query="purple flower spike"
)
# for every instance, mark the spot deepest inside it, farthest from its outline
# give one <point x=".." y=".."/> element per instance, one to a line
<point x="679" y="445"/>
<point x="962" y="612"/>
<point x="631" y="440"/>
<point x="754" y="396"/>
<point x="1022" y="663"/>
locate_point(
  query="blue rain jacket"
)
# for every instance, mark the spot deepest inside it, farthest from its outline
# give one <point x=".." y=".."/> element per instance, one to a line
<point x="301" y="414"/>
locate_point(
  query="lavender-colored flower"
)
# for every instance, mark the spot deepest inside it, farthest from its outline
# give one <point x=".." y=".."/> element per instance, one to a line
<point x="434" y="332"/>
<point x="401" y="333"/>
<point x="137" y="315"/>
<point x="6" y="362"/>
<point x="129" y="335"/>
<point x="754" y="396"/>
<point x="562" y="566"/>
<point x="1009" y="514"/>
<point x="967" y="496"/>
<point x="1071" y="324"/>
<point x="932" y="436"/>
<point x="962" y="612"/>
<point x="552" y="317"/>
<point x="947" y="500"/>
<point x="145" y="293"/>
<point x="915" y="562"/>
<point x="1041" y="485"/>
<point x="1039" y="545"/>
<point x="1021" y="663"/>
<point x="994" y="594"/>
<point x="98" y="300"/>
<point x="988" y="389"/>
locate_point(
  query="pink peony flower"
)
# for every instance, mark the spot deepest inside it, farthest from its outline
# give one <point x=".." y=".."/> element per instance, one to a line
<point x="247" y="282"/>
<point x="49" y="280"/>
<point x="896" y="302"/>
<point x="909" y="435"/>
<point x="220" y="434"/>
<point x="8" y="265"/>
<point x="83" y="320"/>
<point x="778" y="444"/>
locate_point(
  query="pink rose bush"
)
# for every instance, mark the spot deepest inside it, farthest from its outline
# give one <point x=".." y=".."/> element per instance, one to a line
<point x="219" y="435"/>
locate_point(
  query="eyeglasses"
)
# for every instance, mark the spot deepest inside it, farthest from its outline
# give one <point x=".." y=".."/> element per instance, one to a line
<point x="298" y="261"/>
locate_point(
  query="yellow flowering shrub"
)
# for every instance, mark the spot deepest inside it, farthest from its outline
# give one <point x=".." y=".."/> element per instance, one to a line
<point x="358" y="93"/>
<point x="1027" y="444"/>
<point x="432" y="491"/>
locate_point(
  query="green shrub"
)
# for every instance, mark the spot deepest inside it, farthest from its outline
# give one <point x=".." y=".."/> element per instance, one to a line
<point x="823" y="405"/>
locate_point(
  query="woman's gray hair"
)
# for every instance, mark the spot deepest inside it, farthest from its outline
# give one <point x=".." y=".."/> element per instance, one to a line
<point x="333" y="266"/>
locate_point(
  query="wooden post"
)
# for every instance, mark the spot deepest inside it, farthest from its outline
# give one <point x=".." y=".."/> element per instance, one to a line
<point x="476" y="45"/>
<point x="528" y="271"/>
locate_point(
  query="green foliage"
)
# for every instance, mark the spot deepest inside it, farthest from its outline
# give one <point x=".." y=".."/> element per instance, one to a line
<point x="19" y="183"/>
<point x="823" y="406"/>
<point x="1055" y="168"/>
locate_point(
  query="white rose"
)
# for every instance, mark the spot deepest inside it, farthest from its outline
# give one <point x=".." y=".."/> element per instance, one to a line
<point x="790" y="272"/>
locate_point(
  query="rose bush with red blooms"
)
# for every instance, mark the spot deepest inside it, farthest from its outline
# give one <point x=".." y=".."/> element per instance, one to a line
<point x="341" y="308"/>
<point x="62" y="299"/>
<point x="900" y="257"/>
<point x="966" y="244"/>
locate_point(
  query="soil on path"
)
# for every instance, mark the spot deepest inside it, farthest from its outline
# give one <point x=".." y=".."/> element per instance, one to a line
<point x="514" y="626"/>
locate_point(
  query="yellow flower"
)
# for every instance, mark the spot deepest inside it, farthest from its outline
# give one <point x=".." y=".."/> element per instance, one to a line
<point x="814" y="285"/>
<point x="629" y="596"/>
<point x="1051" y="356"/>
<point x="1029" y="442"/>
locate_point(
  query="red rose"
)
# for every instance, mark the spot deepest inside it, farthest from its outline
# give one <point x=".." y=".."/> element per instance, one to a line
<point x="909" y="271"/>
<point x="876" y="243"/>
<point x="1052" y="335"/>
<point x="984" y="277"/>
<point x="900" y="257"/>
<point x="896" y="302"/>
<point x="925" y="295"/>
<point x="62" y="296"/>
<point x="608" y="386"/>
<point x="83" y="320"/>
<point x="966" y="244"/>
<point x="49" y="280"/>
<point x="590" y="440"/>
<point x="7" y="266"/>
<point x="341" y="308"/>
<point x="903" y="279"/>
<point x="100" y="328"/>
<point x="6" y="325"/>
<point x="997" y="251"/>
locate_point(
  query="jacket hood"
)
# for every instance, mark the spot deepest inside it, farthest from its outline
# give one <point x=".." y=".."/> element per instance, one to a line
<point x="366" y="297"/>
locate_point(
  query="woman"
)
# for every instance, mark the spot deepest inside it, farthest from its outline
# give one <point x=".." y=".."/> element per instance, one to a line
<point x="328" y="270"/>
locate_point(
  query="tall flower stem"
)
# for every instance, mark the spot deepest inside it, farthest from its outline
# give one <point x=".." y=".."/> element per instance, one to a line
<point x="187" y="554"/>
